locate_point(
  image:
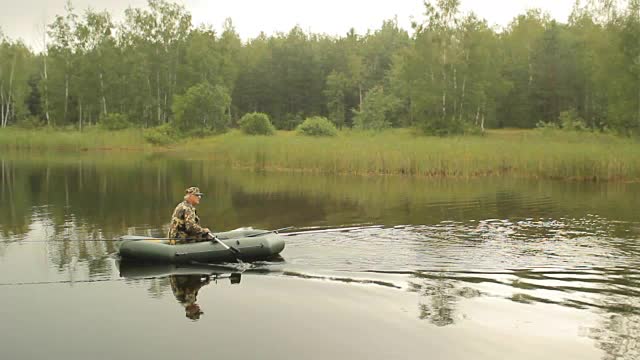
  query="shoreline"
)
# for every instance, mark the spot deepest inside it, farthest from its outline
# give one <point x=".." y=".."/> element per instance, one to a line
<point x="535" y="154"/>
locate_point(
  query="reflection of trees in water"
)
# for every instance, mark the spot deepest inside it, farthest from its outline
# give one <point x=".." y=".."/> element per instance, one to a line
<point x="104" y="198"/>
<point x="95" y="199"/>
<point x="615" y="299"/>
<point x="440" y="309"/>
<point x="618" y="333"/>
<point x="15" y="211"/>
<point x="117" y="193"/>
<point x="158" y="287"/>
<point x="114" y="192"/>
<point x="63" y="250"/>
<point x="618" y="337"/>
<point x="111" y="194"/>
<point x="440" y="298"/>
<point x="408" y="200"/>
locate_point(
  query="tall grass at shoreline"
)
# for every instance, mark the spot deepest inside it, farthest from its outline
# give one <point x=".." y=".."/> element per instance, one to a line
<point x="580" y="156"/>
<point x="89" y="139"/>
<point x="520" y="153"/>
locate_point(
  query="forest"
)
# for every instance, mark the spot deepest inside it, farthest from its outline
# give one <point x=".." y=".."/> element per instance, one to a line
<point x="451" y="73"/>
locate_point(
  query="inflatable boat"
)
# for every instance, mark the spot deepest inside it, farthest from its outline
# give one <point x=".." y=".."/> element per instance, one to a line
<point x="253" y="244"/>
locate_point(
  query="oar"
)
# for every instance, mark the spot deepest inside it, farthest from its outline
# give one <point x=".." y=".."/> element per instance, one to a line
<point x="86" y="240"/>
<point x="271" y="231"/>
<point x="234" y="250"/>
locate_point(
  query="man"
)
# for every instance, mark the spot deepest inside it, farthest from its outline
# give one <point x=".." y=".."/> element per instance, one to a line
<point x="185" y="223"/>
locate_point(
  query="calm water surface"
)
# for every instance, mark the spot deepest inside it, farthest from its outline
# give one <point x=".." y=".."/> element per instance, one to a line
<point x="455" y="269"/>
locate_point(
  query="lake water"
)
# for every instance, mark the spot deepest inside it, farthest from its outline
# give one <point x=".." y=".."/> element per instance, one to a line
<point x="410" y="268"/>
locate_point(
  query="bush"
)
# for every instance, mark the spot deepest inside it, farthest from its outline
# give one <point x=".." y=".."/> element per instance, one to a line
<point x="201" y="133"/>
<point x="256" y="124"/>
<point x="472" y="129"/>
<point x="161" y="135"/>
<point x="569" y="120"/>
<point x="438" y="126"/>
<point x="547" y="125"/>
<point x="317" y="126"/>
<point x="114" y="121"/>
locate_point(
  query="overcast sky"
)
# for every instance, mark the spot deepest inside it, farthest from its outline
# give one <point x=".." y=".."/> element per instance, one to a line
<point x="24" y="18"/>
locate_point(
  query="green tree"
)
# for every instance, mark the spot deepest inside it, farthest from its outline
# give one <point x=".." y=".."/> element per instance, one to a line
<point x="454" y="73"/>
<point x="430" y="71"/>
<point x="378" y="49"/>
<point x="155" y="38"/>
<point x="516" y="108"/>
<point x="253" y="89"/>
<point x="202" y="57"/>
<point x="62" y="52"/>
<point x="16" y="68"/>
<point x="202" y="106"/>
<point x="335" y="92"/>
<point x="589" y="48"/>
<point x="375" y="108"/>
<point x="624" y="104"/>
<point x="93" y="75"/>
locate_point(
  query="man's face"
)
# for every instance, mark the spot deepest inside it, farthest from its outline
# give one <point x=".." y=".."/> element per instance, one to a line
<point x="193" y="199"/>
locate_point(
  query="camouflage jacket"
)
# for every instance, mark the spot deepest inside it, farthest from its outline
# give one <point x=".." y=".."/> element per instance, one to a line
<point x="185" y="224"/>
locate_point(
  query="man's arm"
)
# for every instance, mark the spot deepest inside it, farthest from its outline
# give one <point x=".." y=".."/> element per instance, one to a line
<point x="191" y="225"/>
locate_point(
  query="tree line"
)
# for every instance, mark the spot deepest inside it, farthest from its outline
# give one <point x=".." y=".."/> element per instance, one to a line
<point x="455" y="73"/>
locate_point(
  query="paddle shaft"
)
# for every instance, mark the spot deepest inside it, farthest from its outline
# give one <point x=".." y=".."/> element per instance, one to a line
<point x="215" y="238"/>
<point x="233" y="250"/>
<point x="271" y="231"/>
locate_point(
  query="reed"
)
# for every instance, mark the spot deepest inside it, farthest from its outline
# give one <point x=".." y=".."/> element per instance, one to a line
<point x="72" y="140"/>
<point x="517" y="153"/>
<point x="558" y="155"/>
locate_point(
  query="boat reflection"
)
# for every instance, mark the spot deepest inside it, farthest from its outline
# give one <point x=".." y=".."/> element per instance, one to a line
<point x="185" y="280"/>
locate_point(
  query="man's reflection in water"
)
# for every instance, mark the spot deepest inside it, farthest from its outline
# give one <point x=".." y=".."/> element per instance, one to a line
<point x="185" y="288"/>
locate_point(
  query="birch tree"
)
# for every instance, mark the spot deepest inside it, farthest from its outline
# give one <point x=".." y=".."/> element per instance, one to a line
<point x="62" y="49"/>
<point x="15" y="72"/>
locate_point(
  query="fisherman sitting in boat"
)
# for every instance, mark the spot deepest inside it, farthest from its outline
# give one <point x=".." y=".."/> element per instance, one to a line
<point x="185" y="223"/>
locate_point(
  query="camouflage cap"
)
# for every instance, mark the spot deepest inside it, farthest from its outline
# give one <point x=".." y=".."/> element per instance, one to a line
<point x="193" y="190"/>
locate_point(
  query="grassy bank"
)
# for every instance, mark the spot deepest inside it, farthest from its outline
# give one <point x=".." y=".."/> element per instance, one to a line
<point x="521" y="153"/>
<point x="581" y="156"/>
<point x="90" y="139"/>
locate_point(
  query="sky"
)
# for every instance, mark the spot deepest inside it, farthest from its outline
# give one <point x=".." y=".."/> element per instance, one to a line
<point x="24" y="19"/>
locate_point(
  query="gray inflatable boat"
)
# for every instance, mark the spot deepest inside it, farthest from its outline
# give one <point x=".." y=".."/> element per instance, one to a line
<point x="253" y="245"/>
